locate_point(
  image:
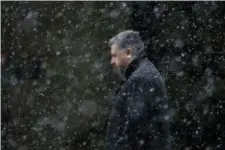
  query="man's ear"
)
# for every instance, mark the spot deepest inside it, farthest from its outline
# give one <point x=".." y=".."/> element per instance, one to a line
<point x="129" y="51"/>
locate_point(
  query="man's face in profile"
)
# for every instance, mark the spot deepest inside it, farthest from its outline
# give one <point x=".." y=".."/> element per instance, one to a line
<point x="119" y="58"/>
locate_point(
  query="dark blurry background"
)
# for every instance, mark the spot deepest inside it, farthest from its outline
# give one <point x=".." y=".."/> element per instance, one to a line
<point x="56" y="81"/>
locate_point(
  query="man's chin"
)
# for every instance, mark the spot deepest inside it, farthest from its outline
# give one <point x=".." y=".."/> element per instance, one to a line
<point x="116" y="69"/>
<point x="119" y="71"/>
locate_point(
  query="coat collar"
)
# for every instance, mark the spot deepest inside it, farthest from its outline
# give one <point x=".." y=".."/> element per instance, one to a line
<point x="131" y="68"/>
<point x="134" y="65"/>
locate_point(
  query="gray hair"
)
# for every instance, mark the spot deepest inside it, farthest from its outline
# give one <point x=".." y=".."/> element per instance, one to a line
<point x="129" y="39"/>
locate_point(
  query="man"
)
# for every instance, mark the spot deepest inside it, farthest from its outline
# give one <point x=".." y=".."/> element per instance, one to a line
<point x="139" y="119"/>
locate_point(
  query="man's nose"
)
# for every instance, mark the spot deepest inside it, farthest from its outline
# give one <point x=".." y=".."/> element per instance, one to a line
<point x="112" y="62"/>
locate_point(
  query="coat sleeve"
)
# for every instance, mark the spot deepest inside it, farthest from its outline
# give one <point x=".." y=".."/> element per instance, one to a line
<point x="137" y="96"/>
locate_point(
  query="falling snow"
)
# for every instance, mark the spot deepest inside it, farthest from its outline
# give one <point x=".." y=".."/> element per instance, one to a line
<point x="57" y="83"/>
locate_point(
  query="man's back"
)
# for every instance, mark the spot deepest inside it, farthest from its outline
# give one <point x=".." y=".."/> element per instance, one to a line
<point x="139" y="119"/>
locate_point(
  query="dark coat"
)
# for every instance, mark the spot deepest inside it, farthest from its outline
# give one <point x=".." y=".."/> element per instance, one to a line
<point x="139" y="119"/>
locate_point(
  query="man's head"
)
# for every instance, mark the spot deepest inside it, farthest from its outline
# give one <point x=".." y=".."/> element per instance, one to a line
<point x="125" y="46"/>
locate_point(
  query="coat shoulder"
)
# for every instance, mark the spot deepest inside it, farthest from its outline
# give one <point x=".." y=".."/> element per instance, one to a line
<point x="146" y="71"/>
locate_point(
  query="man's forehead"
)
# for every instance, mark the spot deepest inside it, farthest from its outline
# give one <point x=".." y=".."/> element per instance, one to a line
<point x="112" y="51"/>
<point x="114" y="46"/>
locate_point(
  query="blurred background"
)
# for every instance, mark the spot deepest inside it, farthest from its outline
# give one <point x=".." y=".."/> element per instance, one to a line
<point x="56" y="82"/>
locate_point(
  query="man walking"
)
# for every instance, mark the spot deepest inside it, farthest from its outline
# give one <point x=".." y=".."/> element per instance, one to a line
<point x="139" y="119"/>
